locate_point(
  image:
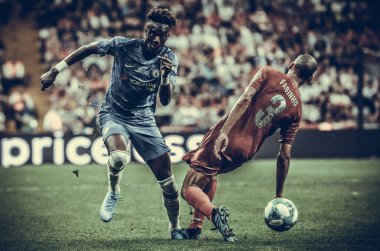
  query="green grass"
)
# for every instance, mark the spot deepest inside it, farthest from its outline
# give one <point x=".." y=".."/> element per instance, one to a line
<point x="49" y="208"/>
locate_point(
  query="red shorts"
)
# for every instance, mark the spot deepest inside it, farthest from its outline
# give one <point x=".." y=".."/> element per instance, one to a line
<point x="204" y="161"/>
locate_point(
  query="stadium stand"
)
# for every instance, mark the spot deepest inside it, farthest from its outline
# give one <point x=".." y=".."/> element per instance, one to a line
<point x="220" y="45"/>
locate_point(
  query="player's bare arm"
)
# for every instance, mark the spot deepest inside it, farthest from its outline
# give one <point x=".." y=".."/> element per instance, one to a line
<point x="237" y="111"/>
<point x="283" y="160"/>
<point x="49" y="77"/>
<point x="166" y="88"/>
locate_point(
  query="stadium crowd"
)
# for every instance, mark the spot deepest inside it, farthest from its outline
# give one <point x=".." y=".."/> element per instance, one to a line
<point x="16" y="104"/>
<point x="220" y="45"/>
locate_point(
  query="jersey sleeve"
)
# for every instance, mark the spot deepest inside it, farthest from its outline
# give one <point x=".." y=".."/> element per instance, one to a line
<point x="110" y="46"/>
<point x="173" y="73"/>
<point x="259" y="79"/>
<point x="288" y="132"/>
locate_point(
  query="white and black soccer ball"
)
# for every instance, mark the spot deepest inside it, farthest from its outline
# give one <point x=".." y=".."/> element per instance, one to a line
<point x="280" y="214"/>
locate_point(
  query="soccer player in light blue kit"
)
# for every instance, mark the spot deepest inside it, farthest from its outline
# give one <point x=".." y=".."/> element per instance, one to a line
<point x="142" y="68"/>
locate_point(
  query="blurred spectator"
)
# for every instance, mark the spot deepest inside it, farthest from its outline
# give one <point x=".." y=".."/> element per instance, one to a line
<point x="52" y="121"/>
<point x="13" y="74"/>
<point x="23" y="111"/>
<point x="220" y="45"/>
<point x="187" y="113"/>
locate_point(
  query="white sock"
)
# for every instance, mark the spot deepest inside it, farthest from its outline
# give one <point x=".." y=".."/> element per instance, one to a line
<point x="172" y="209"/>
<point x="171" y="202"/>
<point x="114" y="181"/>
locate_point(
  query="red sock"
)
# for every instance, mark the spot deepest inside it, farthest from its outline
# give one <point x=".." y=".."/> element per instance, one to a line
<point x="198" y="217"/>
<point x="199" y="200"/>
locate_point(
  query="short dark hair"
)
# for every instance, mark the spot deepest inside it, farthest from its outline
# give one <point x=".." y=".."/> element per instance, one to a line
<point x="305" y="65"/>
<point x="162" y="16"/>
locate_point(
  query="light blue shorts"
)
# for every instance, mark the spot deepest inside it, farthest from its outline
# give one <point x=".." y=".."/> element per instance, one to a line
<point x="147" y="140"/>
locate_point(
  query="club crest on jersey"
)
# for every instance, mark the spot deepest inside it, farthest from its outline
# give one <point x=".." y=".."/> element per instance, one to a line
<point x="155" y="73"/>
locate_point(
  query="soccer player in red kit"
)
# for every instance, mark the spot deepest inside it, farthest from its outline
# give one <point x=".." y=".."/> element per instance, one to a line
<point x="271" y="101"/>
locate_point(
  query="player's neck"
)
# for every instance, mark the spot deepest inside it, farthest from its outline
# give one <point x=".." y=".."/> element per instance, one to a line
<point x="148" y="54"/>
<point x="295" y="79"/>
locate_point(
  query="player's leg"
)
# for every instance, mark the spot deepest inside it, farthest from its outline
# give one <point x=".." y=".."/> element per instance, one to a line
<point x="116" y="142"/>
<point x="192" y="191"/>
<point x="194" y="230"/>
<point x="161" y="168"/>
<point x="210" y="191"/>
<point x="152" y="148"/>
<point x="118" y="151"/>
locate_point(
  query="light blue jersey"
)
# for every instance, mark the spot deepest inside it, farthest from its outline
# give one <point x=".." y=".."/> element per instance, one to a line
<point x="131" y="96"/>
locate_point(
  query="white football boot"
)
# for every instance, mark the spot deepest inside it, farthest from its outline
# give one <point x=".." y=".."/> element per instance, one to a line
<point x="220" y="219"/>
<point x="108" y="207"/>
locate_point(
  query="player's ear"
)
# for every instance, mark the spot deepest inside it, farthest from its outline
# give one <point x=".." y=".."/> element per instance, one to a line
<point x="145" y="33"/>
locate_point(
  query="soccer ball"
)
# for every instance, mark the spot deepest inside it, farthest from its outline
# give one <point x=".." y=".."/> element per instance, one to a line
<point x="280" y="214"/>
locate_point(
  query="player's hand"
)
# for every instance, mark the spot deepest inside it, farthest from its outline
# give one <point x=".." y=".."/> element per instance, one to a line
<point x="48" y="78"/>
<point x="220" y="145"/>
<point x="166" y="66"/>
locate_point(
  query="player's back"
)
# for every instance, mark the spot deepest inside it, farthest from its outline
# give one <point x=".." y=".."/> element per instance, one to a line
<point x="277" y="104"/>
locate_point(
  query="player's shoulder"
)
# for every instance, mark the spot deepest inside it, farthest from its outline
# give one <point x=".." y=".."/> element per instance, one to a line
<point x="170" y="54"/>
<point x="122" y="41"/>
<point x="166" y="49"/>
<point x="269" y="70"/>
<point x="266" y="72"/>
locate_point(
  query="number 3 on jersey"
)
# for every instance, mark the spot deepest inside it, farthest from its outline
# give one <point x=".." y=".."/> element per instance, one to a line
<point x="263" y="118"/>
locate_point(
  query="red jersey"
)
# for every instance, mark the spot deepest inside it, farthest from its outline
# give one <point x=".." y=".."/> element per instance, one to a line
<point x="276" y="105"/>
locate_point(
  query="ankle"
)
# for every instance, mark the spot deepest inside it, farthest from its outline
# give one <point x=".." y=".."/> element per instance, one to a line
<point x="196" y="225"/>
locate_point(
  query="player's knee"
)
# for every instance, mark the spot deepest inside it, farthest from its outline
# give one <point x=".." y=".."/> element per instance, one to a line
<point x="117" y="161"/>
<point x="191" y="179"/>
<point x="169" y="188"/>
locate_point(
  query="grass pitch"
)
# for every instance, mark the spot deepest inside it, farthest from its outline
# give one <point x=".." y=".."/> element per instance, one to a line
<point x="48" y="207"/>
